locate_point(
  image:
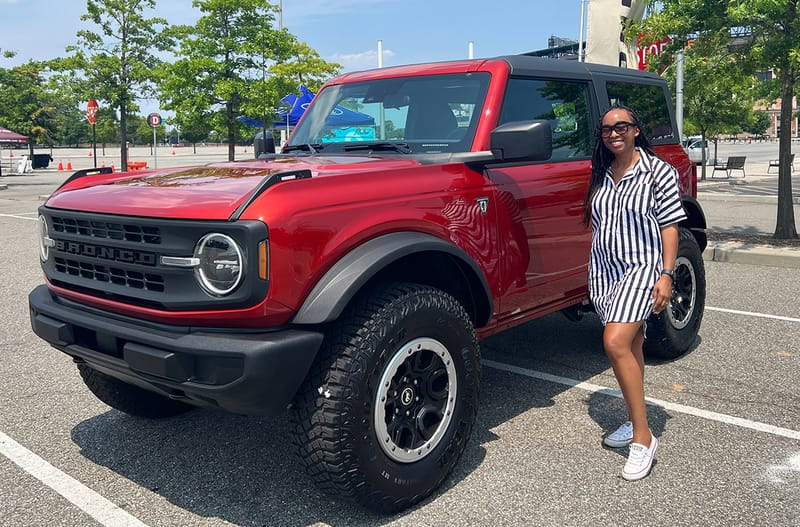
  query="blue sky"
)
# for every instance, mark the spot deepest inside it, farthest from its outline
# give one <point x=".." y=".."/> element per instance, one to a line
<point x="343" y="31"/>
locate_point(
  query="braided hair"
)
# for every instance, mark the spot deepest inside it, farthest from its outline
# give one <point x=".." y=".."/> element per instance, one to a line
<point x="602" y="156"/>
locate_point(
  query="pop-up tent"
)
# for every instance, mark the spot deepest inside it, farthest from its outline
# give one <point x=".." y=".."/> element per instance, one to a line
<point x="9" y="137"/>
<point x="340" y="116"/>
<point x="297" y="104"/>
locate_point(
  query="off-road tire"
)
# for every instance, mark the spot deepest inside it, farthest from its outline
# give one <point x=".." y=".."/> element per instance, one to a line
<point x="347" y="432"/>
<point x="671" y="333"/>
<point x="128" y="398"/>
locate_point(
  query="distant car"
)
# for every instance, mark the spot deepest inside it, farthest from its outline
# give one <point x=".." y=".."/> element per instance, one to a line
<point x="695" y="146"/>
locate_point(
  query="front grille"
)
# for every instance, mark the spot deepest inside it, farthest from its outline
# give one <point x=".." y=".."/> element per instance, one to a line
<point x="114" y="275"/>
<point x="120" y="258"/>
<point x="107" y="230"/>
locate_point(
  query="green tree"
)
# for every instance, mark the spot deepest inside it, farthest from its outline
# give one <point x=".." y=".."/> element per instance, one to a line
<point x="757" y="123"/>
<point x="28" y="108"/>
<point x="761" y="35"/>
<point x="304" y="66"/>
<point x="118" y="62"/>
<point x="194" y="127"/>
<point x="107" y="127"/>
<point x="717" y="92"/>
<point x="221" y="57"/>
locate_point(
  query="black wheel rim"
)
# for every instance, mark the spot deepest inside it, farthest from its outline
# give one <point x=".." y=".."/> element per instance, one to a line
<point x="415" y="400"/>
<point x="684" y="293"/>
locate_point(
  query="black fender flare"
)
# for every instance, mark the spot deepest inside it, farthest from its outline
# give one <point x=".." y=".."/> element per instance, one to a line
<point x="695" y="221"/>
<point x="346" y="277"/>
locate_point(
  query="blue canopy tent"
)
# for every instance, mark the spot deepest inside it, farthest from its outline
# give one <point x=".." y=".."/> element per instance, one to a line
<point x="297" y="105"/>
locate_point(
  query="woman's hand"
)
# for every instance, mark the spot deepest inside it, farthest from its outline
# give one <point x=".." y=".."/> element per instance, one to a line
<point x="662" y="292"/>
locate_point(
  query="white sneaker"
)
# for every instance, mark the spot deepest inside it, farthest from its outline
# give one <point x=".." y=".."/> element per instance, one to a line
<point x="620" y="437"/>
<point x="640" y="460"/>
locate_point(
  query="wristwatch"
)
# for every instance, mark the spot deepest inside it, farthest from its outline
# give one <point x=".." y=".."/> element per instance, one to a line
<point x="668" y="272"/>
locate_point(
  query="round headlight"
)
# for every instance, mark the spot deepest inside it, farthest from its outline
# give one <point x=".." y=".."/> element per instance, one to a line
<point x="220" y="268"/>
<point x="45" y="242"/>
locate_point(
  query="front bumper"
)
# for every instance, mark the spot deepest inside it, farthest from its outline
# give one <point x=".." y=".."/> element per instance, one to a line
<point x="241" y="372"/>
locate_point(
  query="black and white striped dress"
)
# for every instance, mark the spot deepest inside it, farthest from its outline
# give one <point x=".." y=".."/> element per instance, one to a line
<point x="626" y="252"/>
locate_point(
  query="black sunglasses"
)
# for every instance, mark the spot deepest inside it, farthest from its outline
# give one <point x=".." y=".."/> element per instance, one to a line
<point x="620" y="127"/>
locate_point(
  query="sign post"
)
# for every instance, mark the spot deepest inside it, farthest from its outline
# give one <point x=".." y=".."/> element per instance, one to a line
<point x="91" y="116"/>
<point x="154" y="120"/>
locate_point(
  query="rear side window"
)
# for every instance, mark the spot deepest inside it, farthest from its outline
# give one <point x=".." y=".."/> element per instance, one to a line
<point x="649" y="101"/>
<point x="565" y="104"/>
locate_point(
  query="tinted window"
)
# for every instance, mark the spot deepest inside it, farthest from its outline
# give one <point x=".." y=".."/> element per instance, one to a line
<point x="649" y="101"/>
<point x="564" y="104"/>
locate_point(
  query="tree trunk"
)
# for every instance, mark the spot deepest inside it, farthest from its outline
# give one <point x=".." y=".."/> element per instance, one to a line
<point x="123" y="137"/>
<point x="785" y="224"/>
<point x="231" y="132"/>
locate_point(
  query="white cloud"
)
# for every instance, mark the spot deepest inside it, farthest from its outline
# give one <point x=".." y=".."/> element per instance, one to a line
<point x="361" y="61"/>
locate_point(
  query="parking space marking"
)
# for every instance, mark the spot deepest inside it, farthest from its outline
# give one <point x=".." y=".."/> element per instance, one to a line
<point x="675" y="407"/>
<point x="86" y="499"/>
<point x="17" y="216"/>
<point x="752" y="314"/>
<point x="783" y="473"/>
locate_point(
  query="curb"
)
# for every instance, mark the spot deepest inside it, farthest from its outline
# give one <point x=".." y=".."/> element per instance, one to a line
<point x="752" y="254"/>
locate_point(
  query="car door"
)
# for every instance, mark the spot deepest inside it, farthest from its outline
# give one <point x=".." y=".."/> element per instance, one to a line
<point x="545" y="245"/>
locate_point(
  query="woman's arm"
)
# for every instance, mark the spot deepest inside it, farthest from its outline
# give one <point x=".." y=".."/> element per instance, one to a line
<point x="662" y="291"/>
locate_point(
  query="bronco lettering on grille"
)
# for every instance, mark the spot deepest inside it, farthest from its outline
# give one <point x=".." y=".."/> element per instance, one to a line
<point x="106" y="253"/>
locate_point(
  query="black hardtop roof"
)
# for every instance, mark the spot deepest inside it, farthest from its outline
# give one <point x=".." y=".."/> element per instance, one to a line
<point x="529" y="65"/>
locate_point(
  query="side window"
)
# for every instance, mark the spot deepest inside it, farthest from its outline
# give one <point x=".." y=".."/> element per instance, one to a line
<point x="649" y="101"/>
<point x="565" y="104"/>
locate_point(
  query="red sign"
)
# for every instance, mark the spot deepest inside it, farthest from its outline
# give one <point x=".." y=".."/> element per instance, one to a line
<point x="154" y="120"/>
<point x="652" y="49"/>
<point x="91" y="111"/>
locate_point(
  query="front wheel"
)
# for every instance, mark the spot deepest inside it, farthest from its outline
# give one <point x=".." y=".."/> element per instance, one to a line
<point x="389" y="404"/>
<point x="671" y="333"/>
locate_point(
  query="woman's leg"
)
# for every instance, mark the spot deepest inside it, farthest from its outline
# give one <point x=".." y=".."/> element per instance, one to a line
<point x="623" y="345"/>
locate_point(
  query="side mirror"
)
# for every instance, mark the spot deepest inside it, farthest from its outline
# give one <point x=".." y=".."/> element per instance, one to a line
<point x="522" y="141"/>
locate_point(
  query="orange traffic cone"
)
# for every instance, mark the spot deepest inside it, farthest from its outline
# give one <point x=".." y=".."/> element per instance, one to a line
<point x="11" y="154"/>
<point x="112" y="166"/>
<point x="69" y="164"/>
<point x="60" y="165"/>
<point x="90" y="153"/>
<point x="103" y="164"/>
<point x="173" y="152"/>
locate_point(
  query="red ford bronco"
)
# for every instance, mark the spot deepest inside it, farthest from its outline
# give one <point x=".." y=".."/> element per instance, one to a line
<point x="414" y="211"/>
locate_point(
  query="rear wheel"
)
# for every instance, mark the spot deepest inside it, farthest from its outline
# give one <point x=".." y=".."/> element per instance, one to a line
<point x="389" y="405"/>
<point x="128" y="398"/>
<point x="671" y="333"/>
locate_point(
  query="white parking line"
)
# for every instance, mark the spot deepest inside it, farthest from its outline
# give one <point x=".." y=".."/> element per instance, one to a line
<point x="89" y="501"/>
<point x="675" y="407"/>
<point x="752" y="314"/>
<point x="17" y="216"/>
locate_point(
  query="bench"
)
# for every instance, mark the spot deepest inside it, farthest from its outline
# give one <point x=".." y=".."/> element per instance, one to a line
<point x="733" y="163"/>
<point x="776" y="163"/>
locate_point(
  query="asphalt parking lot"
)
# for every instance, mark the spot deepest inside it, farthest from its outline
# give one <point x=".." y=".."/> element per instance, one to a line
<point x="726" y="415"/>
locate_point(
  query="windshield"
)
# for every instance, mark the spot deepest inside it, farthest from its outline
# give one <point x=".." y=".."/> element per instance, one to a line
<point x="425" y="114"/>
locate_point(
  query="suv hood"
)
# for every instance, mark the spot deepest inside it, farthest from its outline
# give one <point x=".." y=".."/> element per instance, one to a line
<point x="210" y="192"/>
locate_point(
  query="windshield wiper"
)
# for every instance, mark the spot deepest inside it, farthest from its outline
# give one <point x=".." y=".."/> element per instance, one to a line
<point x="403" y="148"/>
<point x="311" y="148"/>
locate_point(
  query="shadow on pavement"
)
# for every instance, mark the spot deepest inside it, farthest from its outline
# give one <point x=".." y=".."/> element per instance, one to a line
<point x="244" y="471"/>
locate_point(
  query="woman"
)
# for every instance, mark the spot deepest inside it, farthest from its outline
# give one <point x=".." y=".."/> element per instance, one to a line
<point x="633" y="204"/>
